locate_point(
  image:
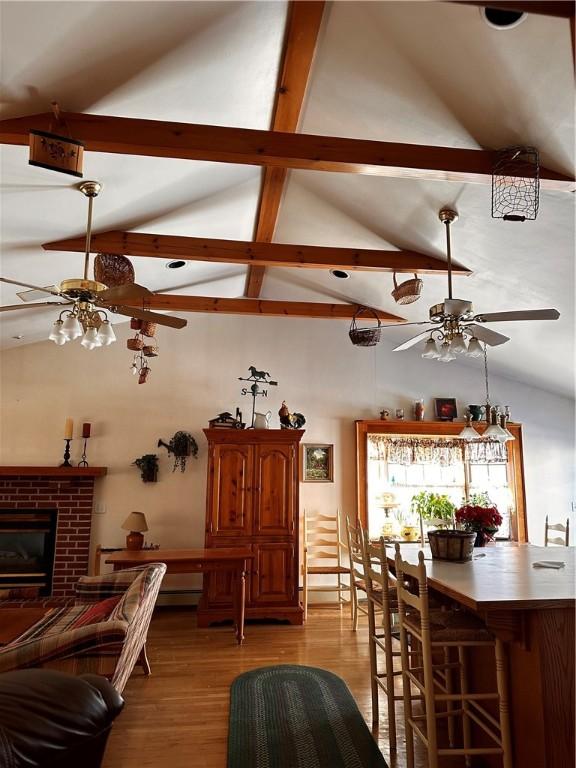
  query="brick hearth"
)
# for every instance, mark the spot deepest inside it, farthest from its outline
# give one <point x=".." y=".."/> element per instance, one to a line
<point x="71" y="493"/>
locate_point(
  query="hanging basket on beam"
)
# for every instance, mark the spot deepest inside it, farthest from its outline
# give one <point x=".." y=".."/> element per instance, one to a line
<point x="516" y="184"/>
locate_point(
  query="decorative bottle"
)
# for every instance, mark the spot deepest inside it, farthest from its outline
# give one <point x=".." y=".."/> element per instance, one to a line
<point x="419" y="410"/>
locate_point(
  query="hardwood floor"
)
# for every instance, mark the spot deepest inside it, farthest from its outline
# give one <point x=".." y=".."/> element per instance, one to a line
<point x="178" y="717"/>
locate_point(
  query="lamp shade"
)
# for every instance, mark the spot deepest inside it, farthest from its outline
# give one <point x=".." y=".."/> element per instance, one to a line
<point x="135" y="522"/>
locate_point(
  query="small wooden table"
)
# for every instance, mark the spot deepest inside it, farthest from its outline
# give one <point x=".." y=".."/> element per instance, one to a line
<point x="15" y="621"/>
<point x="233" y="559"/>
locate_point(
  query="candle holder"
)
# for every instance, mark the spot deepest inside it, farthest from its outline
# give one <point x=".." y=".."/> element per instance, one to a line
<point x="84" y="463"/>
<point x="66" y="462"/>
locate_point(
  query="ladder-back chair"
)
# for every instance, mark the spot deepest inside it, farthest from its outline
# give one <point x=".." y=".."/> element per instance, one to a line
<point x="561" y="541"/>
<point x="324" y="555"/>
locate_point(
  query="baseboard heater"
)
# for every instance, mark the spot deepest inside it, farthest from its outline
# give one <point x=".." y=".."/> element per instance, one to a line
<point x="179" y="597"/>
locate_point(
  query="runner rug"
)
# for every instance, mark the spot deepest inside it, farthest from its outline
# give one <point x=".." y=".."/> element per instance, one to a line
<point x="297" y="717"/>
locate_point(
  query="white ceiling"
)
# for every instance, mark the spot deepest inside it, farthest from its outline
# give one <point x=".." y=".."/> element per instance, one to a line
<point x="431" y="73"/>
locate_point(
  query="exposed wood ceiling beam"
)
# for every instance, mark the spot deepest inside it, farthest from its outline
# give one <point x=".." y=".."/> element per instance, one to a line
<point x="562" y="9"/>
<point x="123" y="135"/>
<point x="261" y="254"/>
<point x="302" y="27"/>
<point x="263" y="307"/>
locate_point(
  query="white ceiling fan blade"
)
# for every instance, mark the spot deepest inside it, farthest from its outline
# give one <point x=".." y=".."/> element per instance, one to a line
<point x="414" y="340"/>
<point x="12" y="307"/>
<point x="522" y="314"/>
<point x="487" y="335"/>
<point x="28" y="285"/>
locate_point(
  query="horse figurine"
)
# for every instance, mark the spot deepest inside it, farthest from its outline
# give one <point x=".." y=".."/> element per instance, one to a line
<point x="258" y="375"/>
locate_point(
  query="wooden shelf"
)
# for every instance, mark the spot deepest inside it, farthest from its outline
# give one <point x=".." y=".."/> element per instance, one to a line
<point x="53" y="471"/>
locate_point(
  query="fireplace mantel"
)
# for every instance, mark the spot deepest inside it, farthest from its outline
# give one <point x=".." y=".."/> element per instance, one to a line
<point x="53" y="471"/>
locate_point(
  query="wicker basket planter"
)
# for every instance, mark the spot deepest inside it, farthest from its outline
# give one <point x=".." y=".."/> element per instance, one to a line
<point x="136" y="344"/>
<point x="150" y="350"/>
<point x="148" y="328"/>
<point x="364" y="337"/>
<point x="408" y="291"/>
<point x="452" y="545"/>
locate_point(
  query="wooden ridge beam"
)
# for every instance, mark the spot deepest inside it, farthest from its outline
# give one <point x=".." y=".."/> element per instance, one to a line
<point x="261" y="254"/>
<point x="302" y="28"/>
<point x="264" y="307"/>
<point x="155" y="138"/>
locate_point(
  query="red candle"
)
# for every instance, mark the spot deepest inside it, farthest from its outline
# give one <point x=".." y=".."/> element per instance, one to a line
<point x="86" y="430"/>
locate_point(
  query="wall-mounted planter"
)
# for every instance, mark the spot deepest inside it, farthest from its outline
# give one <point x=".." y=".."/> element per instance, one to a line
<point x="148" y="466"/>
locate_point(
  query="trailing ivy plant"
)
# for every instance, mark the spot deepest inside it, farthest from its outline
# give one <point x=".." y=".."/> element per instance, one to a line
<point x="181" y="445"/>
<point x="148" y="466"/>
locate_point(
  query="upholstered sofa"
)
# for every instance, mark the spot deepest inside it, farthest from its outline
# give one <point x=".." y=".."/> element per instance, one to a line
<point x="103" y="632"/>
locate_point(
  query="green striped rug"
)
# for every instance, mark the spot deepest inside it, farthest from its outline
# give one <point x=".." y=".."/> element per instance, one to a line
<point x="297" y="717"/>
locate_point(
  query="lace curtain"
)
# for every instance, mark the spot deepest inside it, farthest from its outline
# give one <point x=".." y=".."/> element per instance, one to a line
<point x="444" y="451"/>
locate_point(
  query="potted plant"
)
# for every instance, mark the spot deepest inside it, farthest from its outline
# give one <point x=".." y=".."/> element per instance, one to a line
<point x="181" y="445"/>
<point x="482" y="519"/>
<point x="148" y="466"/>
<point x="433" y="508"/>
<point x="446" y="543"/>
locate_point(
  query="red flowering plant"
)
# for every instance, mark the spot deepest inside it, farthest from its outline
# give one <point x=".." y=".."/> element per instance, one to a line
<point x="473" y="517"/>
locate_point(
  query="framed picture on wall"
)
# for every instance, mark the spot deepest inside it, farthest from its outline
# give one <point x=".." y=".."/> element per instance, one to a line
<point x="317" y="463"/>
<point x="445" y="408"/>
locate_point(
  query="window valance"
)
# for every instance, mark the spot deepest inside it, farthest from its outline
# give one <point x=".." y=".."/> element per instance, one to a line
<point x="434" y="450"/>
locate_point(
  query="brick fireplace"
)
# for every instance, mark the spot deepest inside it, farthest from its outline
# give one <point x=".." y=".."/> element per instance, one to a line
<point x="70" y="491"/>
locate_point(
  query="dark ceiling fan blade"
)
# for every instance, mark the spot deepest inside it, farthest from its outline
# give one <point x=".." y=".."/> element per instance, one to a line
<point x="487" y="335"/>
<point x="28" y="285"/>
<point x="522" y="314"/>
<point x="126" y="292"/>
<point x="145" y="314"/>
<point x="414" y="340"/>
<point x="12" y="307"/>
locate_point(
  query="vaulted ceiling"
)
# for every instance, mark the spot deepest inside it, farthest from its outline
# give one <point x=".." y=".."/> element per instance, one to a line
<point x="418" y="72"/>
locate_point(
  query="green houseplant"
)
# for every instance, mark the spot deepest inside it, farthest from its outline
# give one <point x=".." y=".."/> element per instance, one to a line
<point x="435" y="508"/>
<point x="148" y="466"/>
<point x="181" y="445"/>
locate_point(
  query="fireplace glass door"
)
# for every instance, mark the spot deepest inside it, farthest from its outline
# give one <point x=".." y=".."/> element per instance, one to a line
<point x="27" y="539"/>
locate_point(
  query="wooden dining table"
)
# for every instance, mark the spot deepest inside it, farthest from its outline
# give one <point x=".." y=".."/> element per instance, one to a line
<point x="532" y="610"/>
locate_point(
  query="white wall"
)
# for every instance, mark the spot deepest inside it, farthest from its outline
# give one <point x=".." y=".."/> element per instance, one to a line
<point x="196" y="376"/>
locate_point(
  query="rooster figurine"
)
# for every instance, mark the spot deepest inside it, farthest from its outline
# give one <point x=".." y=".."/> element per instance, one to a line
<point x="290" y="420"/>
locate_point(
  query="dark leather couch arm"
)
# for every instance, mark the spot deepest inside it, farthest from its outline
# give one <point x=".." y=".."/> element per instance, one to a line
<point x="50" y="719"/>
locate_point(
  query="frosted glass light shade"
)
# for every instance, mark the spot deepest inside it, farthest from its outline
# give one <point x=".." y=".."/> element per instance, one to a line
<point x="72" y="328"/>
<point x="445" y="353"/>
<point x="90" y="339"/>
<point x="56" y="334"/>
<point x="494" y="432"/>
<point x="469" y="433"/>
<point x="106" y="333"/>
<point x="474" y="348"/>
<point x="458" y="345"/>
<point x="430" y="350"/>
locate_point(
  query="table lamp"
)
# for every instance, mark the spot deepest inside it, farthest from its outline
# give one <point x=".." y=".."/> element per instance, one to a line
<point x="136" y="524"/>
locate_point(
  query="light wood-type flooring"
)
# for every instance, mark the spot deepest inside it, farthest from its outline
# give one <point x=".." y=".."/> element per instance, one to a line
<point x="178" y="717"/>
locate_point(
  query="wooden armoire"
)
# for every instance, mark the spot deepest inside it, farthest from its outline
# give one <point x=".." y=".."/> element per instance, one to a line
<point x="252" y="501"/>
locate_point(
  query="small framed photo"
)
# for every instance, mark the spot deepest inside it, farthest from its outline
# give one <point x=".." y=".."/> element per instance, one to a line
<point x="445" y="408"/>
<point x="317" y="463"/>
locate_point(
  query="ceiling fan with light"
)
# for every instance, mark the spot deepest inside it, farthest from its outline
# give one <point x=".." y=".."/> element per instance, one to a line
<point x="454" y="329"/>
<point x="89" y="299"/>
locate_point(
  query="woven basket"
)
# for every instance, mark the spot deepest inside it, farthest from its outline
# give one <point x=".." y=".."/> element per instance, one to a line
<point x="135" y="323"/>
<point x="135" y="344"/>
<point x="408" y="291"/>
<point x="148" y="328"/>
<point x="452" y="545"/>
<point x="364" y="337"/>
<point x="113" y="270"/>
<point x="143" y="376"/>
<point x="150" y="350"/>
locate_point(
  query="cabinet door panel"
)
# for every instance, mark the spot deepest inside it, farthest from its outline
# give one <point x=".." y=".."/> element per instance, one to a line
<point x="274" y="501"/>
<point x="231" y="491"/>
<point x="219" y="585"/>
<point x="273" y="579"/>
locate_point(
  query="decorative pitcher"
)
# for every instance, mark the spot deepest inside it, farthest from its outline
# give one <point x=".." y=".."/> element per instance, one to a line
<point x="262" y="420"/>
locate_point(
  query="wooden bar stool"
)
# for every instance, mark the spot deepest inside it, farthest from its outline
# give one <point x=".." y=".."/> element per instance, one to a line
<point x="382" y="597"/>
<point x="438" y="632"/>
